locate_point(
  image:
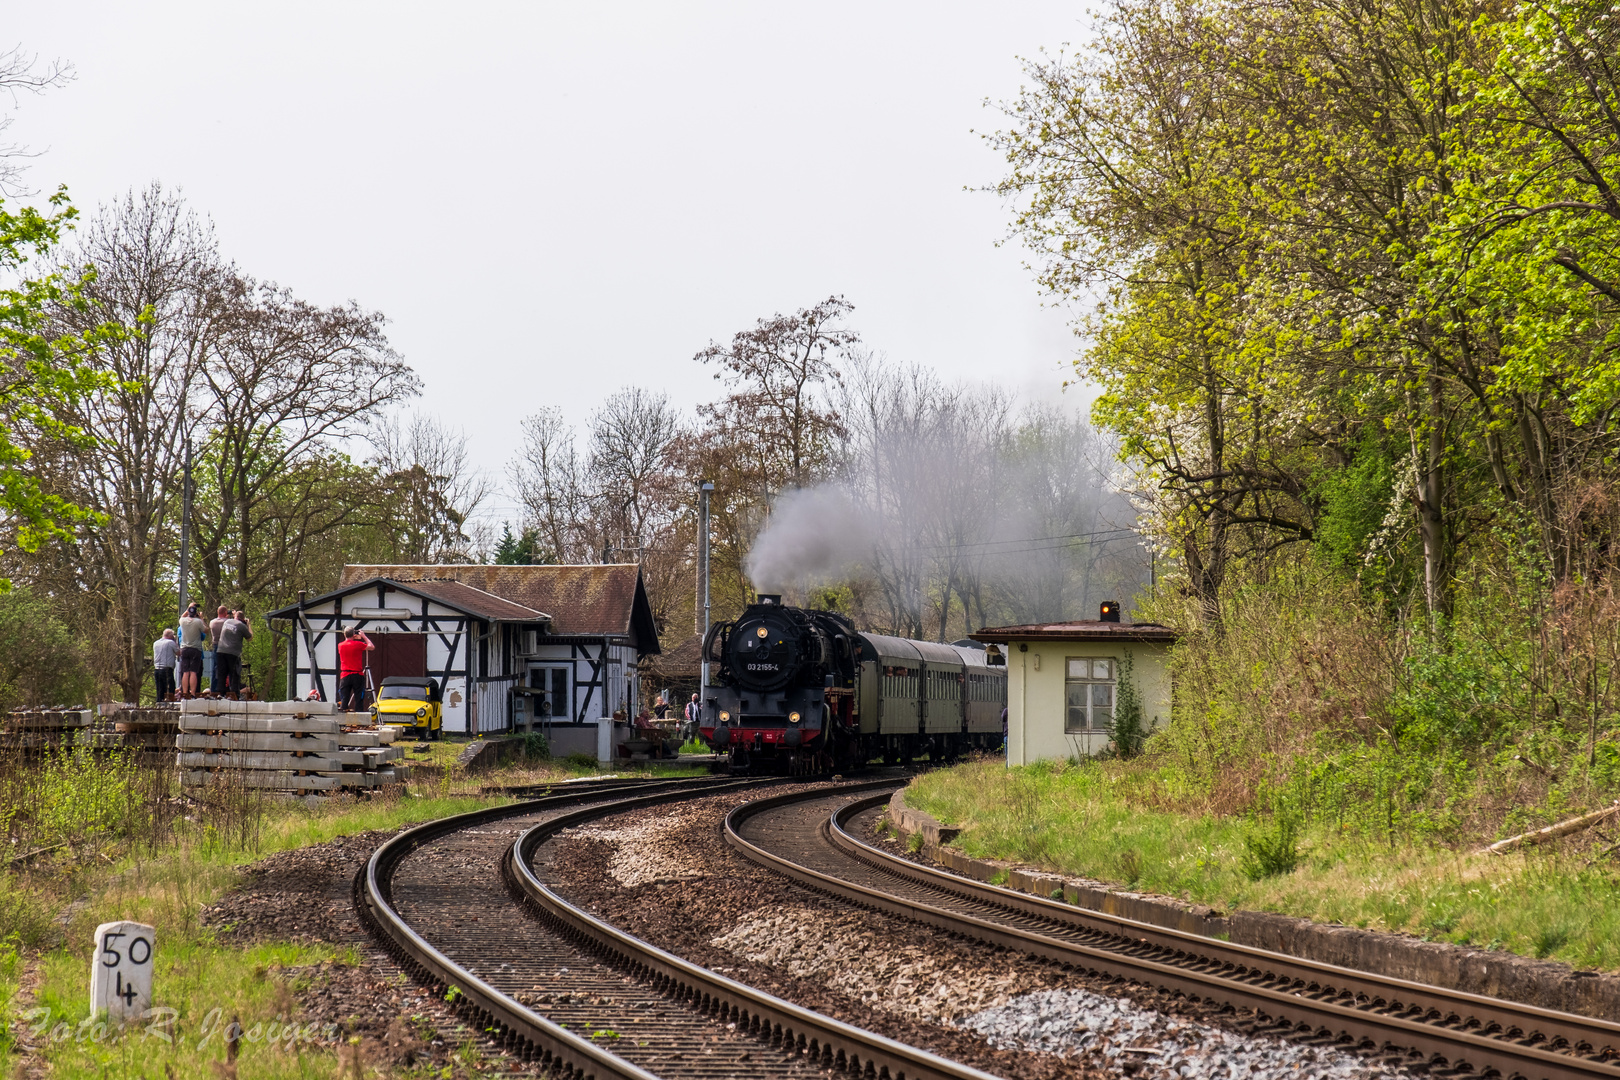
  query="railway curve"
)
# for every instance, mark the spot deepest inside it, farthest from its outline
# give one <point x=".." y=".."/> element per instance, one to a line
<point x="618" y="1007"/>
<point x="808" y="837"/>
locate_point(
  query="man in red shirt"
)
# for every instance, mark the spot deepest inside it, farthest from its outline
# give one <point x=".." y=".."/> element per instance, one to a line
<point x="352" y="669"/>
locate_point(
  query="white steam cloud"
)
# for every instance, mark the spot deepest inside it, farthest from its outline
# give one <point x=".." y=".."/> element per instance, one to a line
<point x="946" y="500"/>
<point x="816" y="534"/>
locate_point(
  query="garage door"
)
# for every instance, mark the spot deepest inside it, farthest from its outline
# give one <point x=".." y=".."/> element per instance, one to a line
<point x="398" y="654"/>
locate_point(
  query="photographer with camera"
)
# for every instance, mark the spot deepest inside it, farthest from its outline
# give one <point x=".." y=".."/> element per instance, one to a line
<point x="233" y="631"/>
<point x="193" y="636"/>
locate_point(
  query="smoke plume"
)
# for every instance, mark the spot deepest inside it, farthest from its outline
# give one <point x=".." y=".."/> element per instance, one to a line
<point x="815" y="535"/>
<point x="950" y="509"/>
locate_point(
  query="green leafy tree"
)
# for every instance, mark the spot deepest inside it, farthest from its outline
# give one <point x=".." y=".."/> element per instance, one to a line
<point x="44" y="372"/>
<point x="517" y="549"/>
<point x="42" y="661"/>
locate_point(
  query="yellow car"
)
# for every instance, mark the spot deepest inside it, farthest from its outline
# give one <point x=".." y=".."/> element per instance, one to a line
<point x="410" y="702"/>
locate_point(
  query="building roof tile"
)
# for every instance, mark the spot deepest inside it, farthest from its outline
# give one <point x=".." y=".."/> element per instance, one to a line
<point x="1082" y="630"/>
<point x="474" y="600"/>
<point x="591" y="601"/>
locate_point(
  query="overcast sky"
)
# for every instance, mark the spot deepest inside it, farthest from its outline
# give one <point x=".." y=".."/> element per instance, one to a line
<point x="552" y="201"/>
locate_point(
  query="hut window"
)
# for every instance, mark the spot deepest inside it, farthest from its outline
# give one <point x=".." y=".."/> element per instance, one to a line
<point x="1089" y="684"/>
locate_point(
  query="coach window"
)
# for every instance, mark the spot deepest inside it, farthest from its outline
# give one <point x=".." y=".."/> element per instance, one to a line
<point x="1090" y="686"/>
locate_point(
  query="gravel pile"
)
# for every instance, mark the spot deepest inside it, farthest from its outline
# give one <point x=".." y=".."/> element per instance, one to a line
<point x="644" y="851"/>
<point x="848" y="953"/>
<point x="1114" y="1034"/>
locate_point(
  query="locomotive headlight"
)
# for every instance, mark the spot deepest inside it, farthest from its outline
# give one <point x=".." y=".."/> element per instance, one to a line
<point x="762" y="632"/>
<point x="725" y="718"/>
<point x="793" y="718"/>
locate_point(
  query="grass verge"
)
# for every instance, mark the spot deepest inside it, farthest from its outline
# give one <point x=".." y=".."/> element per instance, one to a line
<point x="201" y="984"/>
<point x="1084" y="819"/>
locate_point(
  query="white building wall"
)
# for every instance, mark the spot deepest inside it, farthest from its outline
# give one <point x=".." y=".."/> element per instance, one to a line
<point x="1037" y="700"/>
<point x="404" y="615"/>
<point x="615" y="674"/>
<point x="466" y="700"/>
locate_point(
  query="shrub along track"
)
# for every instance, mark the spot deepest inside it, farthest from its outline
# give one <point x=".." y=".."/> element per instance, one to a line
<point x="556" y="985"/>
<point x="812" y="838"/>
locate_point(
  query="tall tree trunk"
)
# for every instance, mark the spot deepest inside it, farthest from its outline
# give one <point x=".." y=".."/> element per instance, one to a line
<point x="1430" y="491"/>
<point x="1538" y="474"/>
<point x="1207" y="567"/>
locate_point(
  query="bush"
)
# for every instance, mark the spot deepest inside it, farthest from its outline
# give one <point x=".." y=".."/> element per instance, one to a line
<point x="41" y="661"/>
<point x="1606" y="763"/>
<point x="1300" y="662"/>
<point x="1272" y="852"/>
<point x="1127" y="731"/>
<point x="580" y="761"/>
<point x="535" y="747"/>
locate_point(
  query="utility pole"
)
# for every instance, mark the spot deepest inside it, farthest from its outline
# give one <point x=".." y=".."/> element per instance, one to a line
<point x="185" y="526"/>
<point x="704" y="491"/>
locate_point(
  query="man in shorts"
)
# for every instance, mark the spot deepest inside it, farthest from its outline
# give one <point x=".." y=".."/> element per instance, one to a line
<point x="352" y="669"/>
<point x="193" y="636"/>
<point x="228" y="653"/>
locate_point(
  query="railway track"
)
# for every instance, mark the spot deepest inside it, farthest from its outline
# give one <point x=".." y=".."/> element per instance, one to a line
<point x="460" y="905"/>
<point x="813" y="839"/>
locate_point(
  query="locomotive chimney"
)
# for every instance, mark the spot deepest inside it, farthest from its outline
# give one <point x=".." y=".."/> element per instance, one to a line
<point x="771" y="598"/>
<point x="1110" y="611"/>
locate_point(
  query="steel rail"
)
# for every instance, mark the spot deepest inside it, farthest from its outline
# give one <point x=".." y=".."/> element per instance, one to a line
<point x="1529" y="1022"/>
<point x="519" y="1028"/>
<point x="606" y="783"/>
<point x="833" y="1043"/>
<point x="1207" y="970"/>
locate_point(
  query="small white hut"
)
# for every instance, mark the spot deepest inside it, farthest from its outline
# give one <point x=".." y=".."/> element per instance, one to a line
<point x="1063" y="682"/>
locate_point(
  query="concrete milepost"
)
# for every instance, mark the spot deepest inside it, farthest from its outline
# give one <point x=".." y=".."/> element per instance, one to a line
<point x="121" y="970"/>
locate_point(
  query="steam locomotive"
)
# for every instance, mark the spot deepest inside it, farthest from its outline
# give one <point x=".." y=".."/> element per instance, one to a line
<point x="800" y="691"/>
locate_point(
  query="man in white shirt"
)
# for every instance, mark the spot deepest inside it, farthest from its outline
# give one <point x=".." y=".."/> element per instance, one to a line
<point x="165" y="653"/>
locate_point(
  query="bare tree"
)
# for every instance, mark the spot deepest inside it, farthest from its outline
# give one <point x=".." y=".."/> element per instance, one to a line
<point x="430" y="489"/>
<point x="550" y="482"/>
<point x="947" y="511"/>
<point x="21" y="73"/>
<point x="633" y="441"/>
<point x="157" y="270"/>
<point x="284" y="380"/>
<point x="1067" y="538"/>
<point x="776" y="375"/>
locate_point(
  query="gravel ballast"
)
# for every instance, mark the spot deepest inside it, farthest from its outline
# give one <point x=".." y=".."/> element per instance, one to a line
<point x="668" y="876"/>
<point x="1113" y="1033"/>
<point x="306" y="895"/>
<point x="848" y="954"/>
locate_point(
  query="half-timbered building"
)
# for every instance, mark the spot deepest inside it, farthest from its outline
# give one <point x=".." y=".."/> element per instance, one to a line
<point x="509" y="644"/>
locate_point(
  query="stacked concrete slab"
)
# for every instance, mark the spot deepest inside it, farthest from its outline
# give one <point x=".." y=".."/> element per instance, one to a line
<point x="295" y="746"/>
<point x="41" y="729"/>
<point x="141" y="728"/>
